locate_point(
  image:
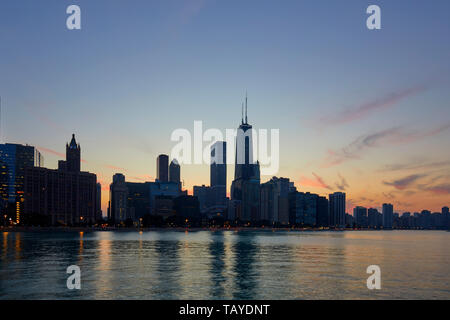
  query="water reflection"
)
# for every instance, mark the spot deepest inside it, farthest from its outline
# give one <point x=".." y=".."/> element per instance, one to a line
<point x="225" y="265"/>
<point x="217" y="267"/>
<point x="244" y="268"/>
<point x="167" y="269"/>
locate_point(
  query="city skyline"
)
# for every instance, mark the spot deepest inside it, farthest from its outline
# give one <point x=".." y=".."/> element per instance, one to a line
<point x="371" y="124"/>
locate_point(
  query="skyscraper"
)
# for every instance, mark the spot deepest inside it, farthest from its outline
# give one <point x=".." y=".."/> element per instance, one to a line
<point x="388" y="215"/>
<point x="246" y="184"/>
<point x="373" y="218"/>
<point x="174" y="171"/>
<point x="360" y="215"/>
<point x="218" y="175"/>
<point x="337" y="209"/>
<point x="14" y="160"/>
<point x="275" y="201"/>
<point x="303" y="208"/>
<point x="446" y="217"/>
<point x="65" y="196"/>
<point x="162" y="168"/>
<point x="73" y="156"/>
<point x="99" y="202"/>
<point x="118" y="195"/>
<point x="322" y="212"/>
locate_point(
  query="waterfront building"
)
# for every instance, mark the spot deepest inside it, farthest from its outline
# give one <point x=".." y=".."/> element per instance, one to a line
<point x="174" y="171"/>
<point x="388" y="215"/>
<point x="162" y="168"/>
<point x="337" y="209"/>
<point x="61" y="197"/>
<point x="360" y="215"/>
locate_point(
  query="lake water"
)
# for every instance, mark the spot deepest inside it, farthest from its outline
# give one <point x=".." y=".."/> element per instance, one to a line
<point x="225" y="264"/>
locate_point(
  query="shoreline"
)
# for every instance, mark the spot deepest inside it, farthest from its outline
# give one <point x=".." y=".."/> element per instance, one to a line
<point x="109" y="229"/>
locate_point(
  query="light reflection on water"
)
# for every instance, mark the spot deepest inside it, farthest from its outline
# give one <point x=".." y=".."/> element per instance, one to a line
<point x="225" y="265"/>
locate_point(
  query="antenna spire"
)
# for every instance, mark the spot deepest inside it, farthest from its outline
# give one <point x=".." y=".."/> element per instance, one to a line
<point x="246" y="107"/>
<point x="0" y="118"/>
<point x="242" y="113"/>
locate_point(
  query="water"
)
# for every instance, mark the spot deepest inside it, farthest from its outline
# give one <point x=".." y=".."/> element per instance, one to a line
<point x="225" y="265"/>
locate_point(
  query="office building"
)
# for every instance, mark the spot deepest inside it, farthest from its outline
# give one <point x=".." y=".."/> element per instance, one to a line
<point x="174" y="171"/>
<point x="218" y="176"/>
<point x="162" y="168"/>
<point x="245" y="187"/>
<point x="63" y="197"/>
<point x="337" y="209"/>
<point x="322" y="212"/>
<point x="303" y="209"/>
<point x="388" y="215"/>
<point x="118" y="195"/>
<point x="360" y="215"/>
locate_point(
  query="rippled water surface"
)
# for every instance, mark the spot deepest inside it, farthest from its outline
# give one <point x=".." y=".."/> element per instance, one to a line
<point x="225" y="264"/>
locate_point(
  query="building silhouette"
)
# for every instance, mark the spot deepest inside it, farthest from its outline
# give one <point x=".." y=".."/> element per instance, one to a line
<point x="322" y="212"/>
<point x="162" y="168"/>
<point x="99" y="202"/>
<point x="14" y="160"/>
<point x="218" y="177"/>
<point x="374" y="218"/>
<point x="66" y="196"/>
<point x="360" y="215"/>
<point x="337" y="209"/>
<point x="245" y="188"/>
<point x="118" y="195"/>
<point x="303" y="209"/>
<point x="388" y="215"/>
<point x="275" y="201"/>
<point x="174" y="171"/>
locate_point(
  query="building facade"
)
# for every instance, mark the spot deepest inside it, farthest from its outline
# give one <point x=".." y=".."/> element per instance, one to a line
<point x="65" y="196"/>
<point x="15" y="159"/>
<point x="337" y="209"/>
<point x="162" y="168"/>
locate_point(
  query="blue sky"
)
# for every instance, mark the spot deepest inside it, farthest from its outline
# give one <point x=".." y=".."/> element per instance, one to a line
<point x="140" y="69"/>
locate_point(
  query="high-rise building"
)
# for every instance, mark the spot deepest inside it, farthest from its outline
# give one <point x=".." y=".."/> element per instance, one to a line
<point x="337" y="209"/>
<point x="62" y="197"/>
<point x="388" y="215"/>
<point x="118" y="196"/>
<point x="373" y="218"/>
<point x="275" y="201"/>
<point x="322" y="212"/>
<point x="14" y="160"/>
<point x="303" y="208"/>
<point x="99" y="202"/>
<point x="138" y="199"/>
<point x="73" y="156"/>
<point x="65" y="196"/>
<point x="174" y="171"/>
<point x="245" y="187"/>
<point x="162" y="168"/>
<point x="446" y="217"/>
<point x="360" y="215"/>
<point x="218" y="176"/>
<point x="159" y="189"/>
<point x="203" y="194"/>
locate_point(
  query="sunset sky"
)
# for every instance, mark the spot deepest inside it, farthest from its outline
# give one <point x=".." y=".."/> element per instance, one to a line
<point x="361" y="111"/>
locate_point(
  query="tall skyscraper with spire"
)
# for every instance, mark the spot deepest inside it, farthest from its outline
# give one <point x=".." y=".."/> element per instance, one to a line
<point x="246" y="183"/>
<point x="73" y="156"/>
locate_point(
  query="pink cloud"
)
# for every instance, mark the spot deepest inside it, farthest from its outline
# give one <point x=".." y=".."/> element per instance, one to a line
<point x="393" y="136"/>
<point x="365" y="109"/>
<point x="317" y="182"/>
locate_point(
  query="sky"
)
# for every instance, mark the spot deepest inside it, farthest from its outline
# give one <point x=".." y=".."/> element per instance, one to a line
<point x="361" y="111"/>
